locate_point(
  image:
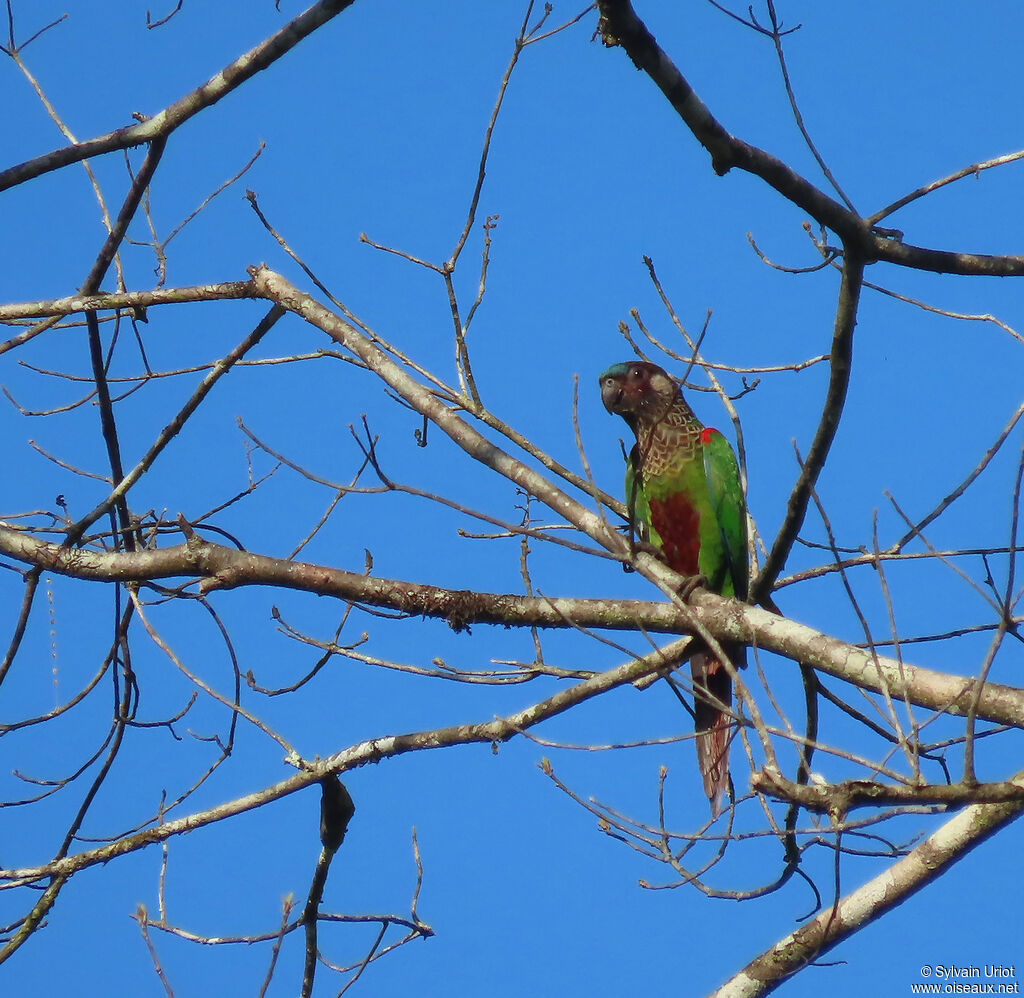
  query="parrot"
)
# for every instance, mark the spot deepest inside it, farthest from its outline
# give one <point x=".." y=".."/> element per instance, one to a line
<point x="685" y="499"/>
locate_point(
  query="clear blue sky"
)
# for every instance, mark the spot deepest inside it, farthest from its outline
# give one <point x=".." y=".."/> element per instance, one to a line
<point x="374" y="125"/>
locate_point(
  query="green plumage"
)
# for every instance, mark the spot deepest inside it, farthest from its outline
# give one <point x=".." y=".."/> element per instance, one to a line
<point x="684" y="497"/>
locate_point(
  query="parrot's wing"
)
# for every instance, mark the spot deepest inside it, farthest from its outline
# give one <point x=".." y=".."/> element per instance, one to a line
<point x="723" y="478"/>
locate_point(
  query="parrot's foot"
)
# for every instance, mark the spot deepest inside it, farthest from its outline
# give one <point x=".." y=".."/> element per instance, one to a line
<point x="690" y="584"/>
<point x="642" y="547"/>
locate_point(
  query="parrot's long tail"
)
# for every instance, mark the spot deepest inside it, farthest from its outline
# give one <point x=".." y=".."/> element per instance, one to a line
<point x="711" y="681"/>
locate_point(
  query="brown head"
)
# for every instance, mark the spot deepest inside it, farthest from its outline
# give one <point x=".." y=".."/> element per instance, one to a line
<point x="638" y="391"/>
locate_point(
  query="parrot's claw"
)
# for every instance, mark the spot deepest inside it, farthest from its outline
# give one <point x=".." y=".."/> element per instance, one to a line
<point x="690" y="584"/>
<point x="642" y="547"/>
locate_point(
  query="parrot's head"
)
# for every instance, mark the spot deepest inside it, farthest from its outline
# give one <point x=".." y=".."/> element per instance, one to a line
<point x="638" y="391"/>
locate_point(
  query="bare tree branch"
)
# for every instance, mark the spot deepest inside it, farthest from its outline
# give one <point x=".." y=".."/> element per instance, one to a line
<point x="620" y="25"/>
<point x="166" y="121"/>
<point x="727" y="620"/>
<point x="951" y="843"/>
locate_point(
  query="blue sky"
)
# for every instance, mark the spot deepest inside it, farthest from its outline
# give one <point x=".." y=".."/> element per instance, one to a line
<point x="374" y="125"/>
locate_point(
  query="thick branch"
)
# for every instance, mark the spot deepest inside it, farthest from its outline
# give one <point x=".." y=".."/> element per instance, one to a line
<point x="952" y="842"/>
<point x="838" y="799"/>
<point x="946" y="261"/>
<point x="126" y="300"/>
<point x="621" y="26"/>
<point x="727" y="620"/>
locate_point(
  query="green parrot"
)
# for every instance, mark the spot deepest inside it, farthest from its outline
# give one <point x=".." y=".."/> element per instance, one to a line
<point x="684" y="497"/>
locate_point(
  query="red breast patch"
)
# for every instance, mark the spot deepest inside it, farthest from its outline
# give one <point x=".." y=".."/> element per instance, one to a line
<point x="677" y="524"/>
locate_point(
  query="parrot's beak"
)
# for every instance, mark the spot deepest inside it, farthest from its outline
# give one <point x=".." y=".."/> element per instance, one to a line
<point x="611" y="394"/>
